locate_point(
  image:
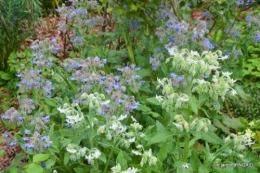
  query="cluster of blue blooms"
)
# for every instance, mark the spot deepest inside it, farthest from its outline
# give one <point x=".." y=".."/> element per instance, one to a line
<point x="90" y="77"/>
<point x="35" y="141"/>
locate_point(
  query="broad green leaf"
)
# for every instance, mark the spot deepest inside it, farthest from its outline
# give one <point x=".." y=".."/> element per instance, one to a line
<point x="103" y="158"/>
<point x="50" y="102"/>
<point x="153" y="101"/>
<point x="6" y="76"/>
<point x="203" y="169"/>
<point x="83" y="170"/>
<point x="154" y="114"/>
<point x="256" y="147"/>
<point x="17" y="159"/>
<point x="66" y="158"/>
<point x="2" y="153"/>
<point x="218" y="124"/>
<point x="110" y="9"/>
<point x="232" y="123"/>
<point x="211" y="137"/>
<point x="40" y="157"/>
<point x="193" y="102"/>
<point x="144" y="72"/>
<point x="14" y="170"/>
<point x="50" y="162"/>
<point x="121" y="160"/>
<point x="143" y="108"/>
<point x="159" y="127"/>
<point x="133" y="7"/>
<point x="34" y="168"/>
<point x="195" y="161"/>
<point x="242" y="93"/>
<point x="161" y="137"/>
<point x="163" y="152"/>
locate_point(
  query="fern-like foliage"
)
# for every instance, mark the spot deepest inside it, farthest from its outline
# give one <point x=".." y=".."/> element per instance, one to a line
<point x="16" y="19"/>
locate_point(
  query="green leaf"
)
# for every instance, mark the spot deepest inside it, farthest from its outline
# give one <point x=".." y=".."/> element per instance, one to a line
<point x="256" y="146"/>
<point x="34" y="168"/>
<point x="153" y="101"/>
<point x="161" y="137"/>
<point x="103" y="158"/>
<point x="163" y="152"/>
<point x="50" y="102"/>
<point x="66" y="158"/>
<point x="121" y="160"/>
<point x="159" y="127"/>
<point x="144" y="72"/>
<point x="14" y="170"/>
<point x="40" y="157"/>
<point x="232" y="123"/>
<point x="195" y="161"/>
<point x="211" y="137"/>
<point x="110" y="9"/>
<point x="218" y="124"/>
<point x="2" y="153"/>
<point x="242" y="93"/>
<point x="143" y="108"/>
<point x="154" y="114"/>
<point x="203" y="169"/>
<point x="133" y="7"/>
<point x="50" y="162"/>
<point x="193" y="102"/>
<point x="83" y="169"/>
<point x="17" y="159"/>
<point x="6" y="76"/>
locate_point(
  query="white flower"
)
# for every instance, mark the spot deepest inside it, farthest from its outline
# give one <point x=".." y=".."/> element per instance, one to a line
<point x="101" y="129"/>
<point x="96" y="154"/>
<point x="130" y="170"/>
<point x="114" y="127"/>
<point x="223" y="57"/>
<point x="116" y="169"/>
<point x="90" y="159"/>
<point x="131" y="140"/>
<point x="136" y="152"/>
<point x="226" y="74"/>
<point x="71" y="148"/>
<point x="252" y="123"/>
<point x="159" y="98"/>
<point x="186" y="165"/>
<point x="173" y="51"/>
<point x="233" y="92"/>
<point x="122" y="117"/>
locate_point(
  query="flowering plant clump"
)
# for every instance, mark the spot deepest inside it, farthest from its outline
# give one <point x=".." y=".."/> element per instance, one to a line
<point x="134" y="87"/>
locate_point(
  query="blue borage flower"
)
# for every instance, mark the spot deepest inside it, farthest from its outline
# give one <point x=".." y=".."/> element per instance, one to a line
<point x="207" y="15"/>
<point x="257" y="37"/>
<point x="248" y="18"/>
<point x="6" y="135"/>
<point x="133" y="24"/>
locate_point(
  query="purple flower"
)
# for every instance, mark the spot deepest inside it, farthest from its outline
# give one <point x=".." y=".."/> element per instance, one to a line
<point x="27" y="132"/>
<point x="48" y="144"/>
<point x="26" y="139"/>
<point x="28" y="146"/>
<point x="6" y="135"/>
<point x="44" y="138"/>
<point x="12" y="144"/>
<point x="173" y="75"/>
<point x="5" y="117"/>
<point x="257" y="38"/>
<point x="208" y="44"/>
<point x="248" y="18"/>
<point x="207" y="15"/>
<point x="179" y="78"/>
<point x="46" y="119"/>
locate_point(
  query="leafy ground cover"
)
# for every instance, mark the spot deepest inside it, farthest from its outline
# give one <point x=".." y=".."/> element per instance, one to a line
<point x="130" y="86"/>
